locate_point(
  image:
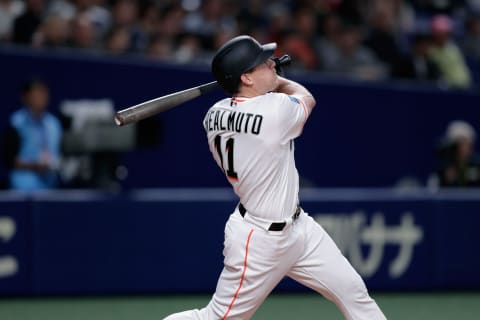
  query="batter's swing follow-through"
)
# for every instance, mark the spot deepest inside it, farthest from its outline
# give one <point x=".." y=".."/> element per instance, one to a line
<point x="268" y="235"/>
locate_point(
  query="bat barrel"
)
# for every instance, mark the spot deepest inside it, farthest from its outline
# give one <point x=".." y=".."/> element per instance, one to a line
<point x="157" y="105"/>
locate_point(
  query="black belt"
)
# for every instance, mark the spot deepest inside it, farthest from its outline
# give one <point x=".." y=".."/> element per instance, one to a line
<point x="275" y="226"/>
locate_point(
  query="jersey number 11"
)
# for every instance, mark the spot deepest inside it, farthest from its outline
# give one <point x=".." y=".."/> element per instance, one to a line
<point x="230" y="172"/>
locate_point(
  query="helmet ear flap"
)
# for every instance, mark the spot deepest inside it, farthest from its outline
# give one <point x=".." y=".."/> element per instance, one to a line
<point x="230" y="84"/>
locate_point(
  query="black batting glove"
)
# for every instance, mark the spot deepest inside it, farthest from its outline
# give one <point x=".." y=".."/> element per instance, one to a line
<point x="280" y="63"/>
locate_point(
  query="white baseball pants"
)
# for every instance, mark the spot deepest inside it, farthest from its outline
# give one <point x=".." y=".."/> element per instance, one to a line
<point x="256" y="260"/>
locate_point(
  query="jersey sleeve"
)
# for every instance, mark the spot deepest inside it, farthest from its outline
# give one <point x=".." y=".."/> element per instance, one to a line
<point x="292" y="115"/>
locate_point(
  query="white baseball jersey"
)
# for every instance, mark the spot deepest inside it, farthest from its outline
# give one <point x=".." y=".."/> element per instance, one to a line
<point x="251" y="139"/>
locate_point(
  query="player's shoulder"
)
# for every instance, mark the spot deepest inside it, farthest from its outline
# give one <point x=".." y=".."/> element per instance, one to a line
<point x="286" y="108"/>
<point x="279" y="103"/>
<point x="221" y="104"/>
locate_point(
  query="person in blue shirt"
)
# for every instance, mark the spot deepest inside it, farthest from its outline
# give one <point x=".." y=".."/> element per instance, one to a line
<point x="33" y="141"/>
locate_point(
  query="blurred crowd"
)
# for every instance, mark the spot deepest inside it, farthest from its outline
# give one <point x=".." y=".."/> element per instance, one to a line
<point x="428" y="40"/>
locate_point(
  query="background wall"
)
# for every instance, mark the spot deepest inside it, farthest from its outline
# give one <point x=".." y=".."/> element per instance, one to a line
<point x="361" y="134"/>
<point x="170" y="240"/>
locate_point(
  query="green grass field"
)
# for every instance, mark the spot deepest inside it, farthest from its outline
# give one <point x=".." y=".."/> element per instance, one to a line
<point x="411" y="306"/>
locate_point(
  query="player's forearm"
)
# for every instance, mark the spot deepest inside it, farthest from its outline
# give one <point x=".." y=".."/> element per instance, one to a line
<point x="291" y="87"/>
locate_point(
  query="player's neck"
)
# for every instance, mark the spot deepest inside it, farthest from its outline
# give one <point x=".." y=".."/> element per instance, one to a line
<point x="248" y="92"/>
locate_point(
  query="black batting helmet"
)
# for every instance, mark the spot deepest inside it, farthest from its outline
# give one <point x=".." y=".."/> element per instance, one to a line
<point x="236" y="57"/>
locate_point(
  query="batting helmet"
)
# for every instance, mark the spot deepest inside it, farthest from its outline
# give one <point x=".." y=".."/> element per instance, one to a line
<point x="236" y="57"/>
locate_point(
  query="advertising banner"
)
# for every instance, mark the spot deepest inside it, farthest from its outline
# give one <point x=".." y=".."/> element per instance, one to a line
<point x="15" y="247"/>
<point x="171" y="241"/>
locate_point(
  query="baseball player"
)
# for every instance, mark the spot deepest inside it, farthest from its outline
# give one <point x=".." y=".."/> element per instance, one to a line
<point x="268" y="236"/>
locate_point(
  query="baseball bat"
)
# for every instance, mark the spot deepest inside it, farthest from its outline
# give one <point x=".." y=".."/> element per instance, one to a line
<point x="149" y="108"/>
<point x="163" y="103"/>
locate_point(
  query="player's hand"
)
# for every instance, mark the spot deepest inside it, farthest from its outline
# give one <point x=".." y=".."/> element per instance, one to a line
<point x="281" y="62"/>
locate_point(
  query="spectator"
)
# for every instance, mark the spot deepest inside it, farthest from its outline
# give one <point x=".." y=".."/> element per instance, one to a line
<point x="433" y="7"/>
<point x="33" y="141"/>
<point x="9" y="10"/>
<point x="52" y="33"/>
<point x="331" y="28"/>
<point x="309" y="29"/>
<point x="126" y="23"/>
<point x="459" y="165"/>
<point x="160" y="48"/>
<point x="418" y="65"/>
<point x="471" y="39"/>
<point x="83" y="34"/>
<point x="304" y="45"/>
<point x="80" y="13"/>
<point x="303" y="55"/>
<point x="118" y="41"/>
<point x="351" y="11"/>
<point x="447" y="55"/>
<point x="279" y="21"/>
<point x="473" y="6"/>
<point x="98" y="16"/>
<point x="211" y="18"/>
<point x="189" y="50"/>
<point x="26" y="24"/>
<point x="350" y="58"/>
<point x="251" y="16"/>
<point x="404" y="16"/>
<point x="170" y="24"/>
<point x="149" y="20"/>
<point x="67" y="9"/>
<point x="383" y="39"/>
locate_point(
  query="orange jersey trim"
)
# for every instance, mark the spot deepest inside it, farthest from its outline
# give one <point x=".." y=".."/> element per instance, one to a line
<point x="238" y="100"/>
<point x="305" y="109"/>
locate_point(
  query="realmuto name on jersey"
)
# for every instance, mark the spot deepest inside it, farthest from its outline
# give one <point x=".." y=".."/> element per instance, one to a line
<point x="225" y="120"/>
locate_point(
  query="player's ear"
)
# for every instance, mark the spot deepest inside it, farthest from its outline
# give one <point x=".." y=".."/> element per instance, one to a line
<point x="246" y="79"/>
